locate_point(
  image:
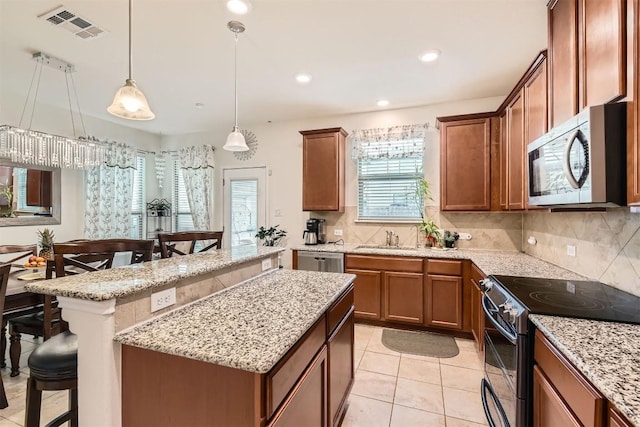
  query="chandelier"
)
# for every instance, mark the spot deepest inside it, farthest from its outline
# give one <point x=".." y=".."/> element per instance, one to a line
<point x="44" y="149"/>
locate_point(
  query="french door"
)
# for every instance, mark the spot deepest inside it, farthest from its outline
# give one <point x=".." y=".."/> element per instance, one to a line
<point x="245" y="204"/>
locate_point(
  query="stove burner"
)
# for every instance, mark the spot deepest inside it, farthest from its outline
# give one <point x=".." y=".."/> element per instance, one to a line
<point x="564" y="300"/>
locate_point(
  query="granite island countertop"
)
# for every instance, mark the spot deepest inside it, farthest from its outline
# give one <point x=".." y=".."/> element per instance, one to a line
<point x="124" y="281"/>
<point x="607" y="353"/>
<point x="505" y="263"/>
<point x="250" y="326"/>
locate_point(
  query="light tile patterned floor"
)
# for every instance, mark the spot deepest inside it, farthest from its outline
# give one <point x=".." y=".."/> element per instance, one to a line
<point x="391" y="389"/>
<point x="394" y="389"/>
<point x="53" y="403"/>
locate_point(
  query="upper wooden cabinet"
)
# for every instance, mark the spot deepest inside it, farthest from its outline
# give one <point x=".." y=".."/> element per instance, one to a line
<point x="516" y="153"/>
<point x="465" y="163"/>
<point x="323" y="169"/>
<point x="633" y="119"/>
<point x="586" y="55"/>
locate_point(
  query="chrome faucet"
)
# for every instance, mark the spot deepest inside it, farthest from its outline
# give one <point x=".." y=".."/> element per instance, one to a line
<point x="389" y="236"/>
<point x="392" y="239"/>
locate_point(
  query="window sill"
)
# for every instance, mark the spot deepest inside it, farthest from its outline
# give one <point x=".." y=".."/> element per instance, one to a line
<point x="389" y="221"/>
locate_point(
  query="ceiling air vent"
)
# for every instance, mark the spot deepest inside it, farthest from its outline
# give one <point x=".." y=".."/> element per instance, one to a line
<point x="80" y="26"/>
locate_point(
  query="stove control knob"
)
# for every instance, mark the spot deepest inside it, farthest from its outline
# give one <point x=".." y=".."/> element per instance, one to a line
<point x="508" y="306"/>
<point x="510" y="315"/>
<point x="486" y="284"/>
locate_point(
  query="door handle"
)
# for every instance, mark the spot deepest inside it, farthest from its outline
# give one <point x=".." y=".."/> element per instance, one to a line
<point x="566" y="160"/>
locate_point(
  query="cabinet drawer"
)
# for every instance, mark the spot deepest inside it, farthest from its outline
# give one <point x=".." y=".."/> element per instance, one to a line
<point x="387" y="263"/>
<point x="476" y="273"/>
<point x="283" y="377"/>
<point x="581" y="397"/>
<point x="444" y="266"/>
<point x="338" y="310"/>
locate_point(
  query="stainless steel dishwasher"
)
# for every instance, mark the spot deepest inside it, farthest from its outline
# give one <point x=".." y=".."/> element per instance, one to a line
<point x="321" y="261"/>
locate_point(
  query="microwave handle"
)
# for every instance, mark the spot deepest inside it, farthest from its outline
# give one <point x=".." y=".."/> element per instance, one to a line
<point x="566" y="165"/>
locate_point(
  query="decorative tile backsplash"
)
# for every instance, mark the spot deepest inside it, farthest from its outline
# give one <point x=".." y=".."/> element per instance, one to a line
<point x="501" y="231"/>
<point x="607" y="244"/>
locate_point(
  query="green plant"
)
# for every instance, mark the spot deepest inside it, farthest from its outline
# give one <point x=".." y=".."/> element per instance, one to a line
<point x="423" y="193"/>
<point x="431" y="232"/>
<point x="271" y="235"/>
<point x="6" y="191"/>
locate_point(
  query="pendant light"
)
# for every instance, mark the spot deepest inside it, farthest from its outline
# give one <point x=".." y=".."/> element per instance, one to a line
<point x="129" y="102"/>
<point x="235" y="140"/>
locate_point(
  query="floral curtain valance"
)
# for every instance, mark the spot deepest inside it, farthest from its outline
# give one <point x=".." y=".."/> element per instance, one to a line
<point x="121" y="155"/>
<point x="394" y="142"/>
<point x="196" y="157"/>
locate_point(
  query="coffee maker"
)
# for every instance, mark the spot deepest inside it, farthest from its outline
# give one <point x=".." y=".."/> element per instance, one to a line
<point x="315" y="232"/>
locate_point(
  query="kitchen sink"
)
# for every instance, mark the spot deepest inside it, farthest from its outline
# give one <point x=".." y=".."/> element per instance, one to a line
<point x="394" y="248"/>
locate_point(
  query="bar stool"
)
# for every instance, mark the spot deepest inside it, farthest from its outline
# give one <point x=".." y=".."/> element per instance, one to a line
<point x="4" y="278"/>
<point x="170" y="241"/>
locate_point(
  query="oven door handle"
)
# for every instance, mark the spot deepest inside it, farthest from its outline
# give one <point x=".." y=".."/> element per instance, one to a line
<point x="511" y="336"/>
<point x="486" y="386"/>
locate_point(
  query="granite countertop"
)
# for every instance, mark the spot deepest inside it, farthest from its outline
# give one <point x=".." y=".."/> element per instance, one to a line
<point x="506" y="263"/>
<point x="123" y="281"/>
<point x="249" y="326"/>
<point x="606" y="353"/>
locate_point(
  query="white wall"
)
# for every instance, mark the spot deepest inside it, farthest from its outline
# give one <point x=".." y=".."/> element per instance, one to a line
<point x="58" y="121"/>
<point x="280" y="150"/>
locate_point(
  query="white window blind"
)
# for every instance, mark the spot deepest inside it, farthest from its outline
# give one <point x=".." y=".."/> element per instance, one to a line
<point x="244" y="212"/>
<point x="183" y="219"/>
<point x="137" y="201"/>
<point x="387" y="186"/>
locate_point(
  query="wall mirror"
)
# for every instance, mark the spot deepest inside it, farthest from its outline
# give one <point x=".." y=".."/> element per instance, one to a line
<point x="29" y="195"/>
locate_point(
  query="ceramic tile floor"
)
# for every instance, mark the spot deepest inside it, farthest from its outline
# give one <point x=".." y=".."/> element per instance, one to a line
<point x="403" y="390"/>
<point x="53" y="403"/>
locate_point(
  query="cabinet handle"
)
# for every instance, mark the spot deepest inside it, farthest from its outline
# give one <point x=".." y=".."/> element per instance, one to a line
<point x="566" y="166"/>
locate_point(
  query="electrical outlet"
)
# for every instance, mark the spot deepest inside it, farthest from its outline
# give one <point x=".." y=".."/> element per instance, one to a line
<point x="571" y="250"/>
<point x="532" y="240"/>
<point x="464" y="236"/>
<point x="337" y="232"/>
<point x="162" y="299"/>
<point x="266" y="264"/>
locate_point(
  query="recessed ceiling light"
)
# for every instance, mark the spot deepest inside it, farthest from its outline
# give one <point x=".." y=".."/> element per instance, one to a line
<point x="383" y="103"/>
<point x="239" y="7"/>
<point x="303" y="78"/>
<point x="430" y="55"/>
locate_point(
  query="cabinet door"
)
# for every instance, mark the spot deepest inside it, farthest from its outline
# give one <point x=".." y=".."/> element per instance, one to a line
<point x="340" y="355"/>
<point x="403" y="297"/>
<point x="616" y="419"/>
<point x="323" y="170"/>
<point x="515" y="153"/>
<point x="602" y="55"/>
<point x="443" y="301"/>
<point x="39" y="186"/>
<point x="548" y="407"/>
<point x="307" y="404"/>
<point x="633" y="127"/>
<point x="535" y="116"/>
<point x="465" y="165"/>
<point x="563" y="60"/>
<point x="503" y="162"/>
<point x="366" y="293"/>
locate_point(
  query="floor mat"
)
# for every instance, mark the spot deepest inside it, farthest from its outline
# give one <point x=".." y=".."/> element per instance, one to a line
<point x="420" y="343"/>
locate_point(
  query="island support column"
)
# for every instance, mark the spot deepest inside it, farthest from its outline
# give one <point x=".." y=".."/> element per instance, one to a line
<point x="99" y="360"/>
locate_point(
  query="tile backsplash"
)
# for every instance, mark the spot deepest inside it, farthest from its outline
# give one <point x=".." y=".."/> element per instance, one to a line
<point x="501" y="231"/>
<point x="607" y="244"/>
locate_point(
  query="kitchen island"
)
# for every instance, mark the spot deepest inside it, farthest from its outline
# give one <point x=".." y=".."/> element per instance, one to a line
<point x="100" y="304"/>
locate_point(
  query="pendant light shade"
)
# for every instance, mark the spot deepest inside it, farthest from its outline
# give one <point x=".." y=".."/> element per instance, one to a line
<point x="129" y="102"/>
<point x="235" y="140"/>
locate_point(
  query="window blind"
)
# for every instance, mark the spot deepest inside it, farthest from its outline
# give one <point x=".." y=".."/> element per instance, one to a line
<point x="183" y="219"/>
<point x="387" y="187"/>
<point x="244" y="211"/>
<point x="137" y="201"/>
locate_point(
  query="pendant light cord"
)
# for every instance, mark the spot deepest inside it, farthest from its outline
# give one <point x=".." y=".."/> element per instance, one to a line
<point x="130" y="56"/>
<point x="235" y="83"/>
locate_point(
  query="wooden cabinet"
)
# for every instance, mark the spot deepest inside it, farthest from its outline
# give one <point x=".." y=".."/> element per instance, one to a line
<point x="367" y="293"/>
<point x="477" y="314"/>
<point x="587" y="53"/>
<point x="323" y="162"/>
<point x="403" y="296"/>
<point x="561" y="392"/>
<point x="465" y="163"/>
<point x="341" y="368"/>
<point x="563" y="60"/>
<point x="443" y="296"/>
<point x="615" y="419"/>
<point x="39" y="188"/>
<point x="515" y="152"/>
<point x="633" y="118"/>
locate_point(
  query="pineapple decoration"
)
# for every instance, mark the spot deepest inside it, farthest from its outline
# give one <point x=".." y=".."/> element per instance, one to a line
<point x="45" y="240"/>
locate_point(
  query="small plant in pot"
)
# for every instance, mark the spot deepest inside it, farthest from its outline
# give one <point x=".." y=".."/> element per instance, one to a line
<point x="450" y="239"/>
<point x="431" y="232"/>
<point x="271" y="236"/>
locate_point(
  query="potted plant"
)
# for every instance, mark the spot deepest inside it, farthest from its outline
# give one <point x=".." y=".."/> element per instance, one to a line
<point x="6" y="192"/>
<point x="160" y="206"/>
<point x="271" y="235"/>
<point x="431" y="232"/>
<point x="428" y="227"/>
<point x="450" y="239"/>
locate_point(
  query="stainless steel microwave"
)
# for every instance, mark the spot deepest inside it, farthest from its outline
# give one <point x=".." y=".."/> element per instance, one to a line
<point x="582" y="161"/>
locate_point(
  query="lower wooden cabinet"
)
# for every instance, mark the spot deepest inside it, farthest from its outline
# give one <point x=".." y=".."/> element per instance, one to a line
<point x="477" y="314"/>
<point x="341" y="368"/>
<point x="367" y="295"/>
<point x="403" y="297"/>
<point x="443" y="301"/>
<point x="307" y="404"/>
<point x="615" y="419"/>
<point x="548" y="407"/>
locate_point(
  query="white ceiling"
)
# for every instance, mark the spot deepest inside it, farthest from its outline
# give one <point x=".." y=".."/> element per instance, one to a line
<point x="358" y="51"/>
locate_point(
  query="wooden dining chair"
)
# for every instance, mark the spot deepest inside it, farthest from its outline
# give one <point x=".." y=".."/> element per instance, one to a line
<point x="170" y="243"/>
<point x="53" y="365"/>
<point x="4" y="279"/>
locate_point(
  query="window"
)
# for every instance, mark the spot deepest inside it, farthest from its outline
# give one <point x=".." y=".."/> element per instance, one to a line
<point x="137" y="201"/>
<point x="183" y="219"/>
<point x="387" y="186"/>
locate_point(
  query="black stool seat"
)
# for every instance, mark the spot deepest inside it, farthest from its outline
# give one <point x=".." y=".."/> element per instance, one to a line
<point x="56" y="359"/>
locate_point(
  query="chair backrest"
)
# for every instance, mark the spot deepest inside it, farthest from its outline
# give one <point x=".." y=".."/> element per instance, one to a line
<point x="20" y="251"/>
<point x="81" y="256"/>
<point x="168" y="241"/>
<point x="4" y="279"/>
